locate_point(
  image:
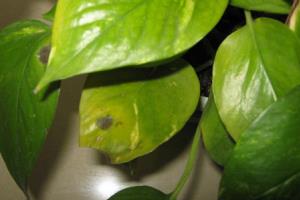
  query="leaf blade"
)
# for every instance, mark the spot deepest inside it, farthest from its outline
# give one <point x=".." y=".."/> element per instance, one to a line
<point x="128" y="113"/>
<point x="101" y="36"/>
<point x="24" y="116"/>
<point x="216" y="139"/>
<point x="50" y="14"/>
<point x="249" y="63"/>
<point x="140" y="192"/>
<point x="272" y="6"/>
<point x="265" y="163"/>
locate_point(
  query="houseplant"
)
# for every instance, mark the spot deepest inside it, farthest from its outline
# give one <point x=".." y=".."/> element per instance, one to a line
<point x="130" y="111"/>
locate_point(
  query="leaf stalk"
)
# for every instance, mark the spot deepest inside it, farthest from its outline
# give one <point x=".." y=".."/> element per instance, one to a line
<point x="193" y="155"/>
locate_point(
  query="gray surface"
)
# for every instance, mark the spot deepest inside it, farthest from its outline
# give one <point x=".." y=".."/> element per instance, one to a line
<point x="65" y="171"/>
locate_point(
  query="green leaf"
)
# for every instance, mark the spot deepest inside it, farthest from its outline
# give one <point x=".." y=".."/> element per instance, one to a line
<point x="140" y="193"/>
<point x="265" y="163"/>
<point x="272" y="6"/>
<point x="50" y="14"/>
<point x="24" y="116"/>
<point x="91" y="35"/>
<point x="251" y="70"/>
<point x="216" y="139"/>
<point x="128" y="113"/>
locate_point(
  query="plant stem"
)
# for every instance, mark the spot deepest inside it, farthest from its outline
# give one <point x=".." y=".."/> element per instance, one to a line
<point x="293" y="10"/>
<point x="249" y="22"/>
<point x="193" y="154"/>
<point x="248" y="16"/>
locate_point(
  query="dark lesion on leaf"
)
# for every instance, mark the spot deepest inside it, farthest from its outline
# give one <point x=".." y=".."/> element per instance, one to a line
<point x="104" y="123"/>
<point x="44" y="54"/>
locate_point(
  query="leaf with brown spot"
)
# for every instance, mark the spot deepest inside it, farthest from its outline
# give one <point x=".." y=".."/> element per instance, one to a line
<point x="128" y="113"/>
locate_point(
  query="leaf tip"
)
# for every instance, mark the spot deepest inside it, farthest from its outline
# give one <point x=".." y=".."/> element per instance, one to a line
<point x="42" y="84"/>
<point x="37" y="89"/>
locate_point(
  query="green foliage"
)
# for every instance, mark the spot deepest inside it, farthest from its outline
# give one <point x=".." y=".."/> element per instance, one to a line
<point x="50" y="14"/>
<point x="24" y="117"/>
<point x="216" y="139"/>
<point x="145" y="192"/>
<point x="266" y="158"/>
<point x="272" y="6"/>
<point x="144" y="92"/>
<point x="138" y="193"/>
<point x="128" y="113"/>
<point x="251" y="70"/>
<point x="101" y="35"/>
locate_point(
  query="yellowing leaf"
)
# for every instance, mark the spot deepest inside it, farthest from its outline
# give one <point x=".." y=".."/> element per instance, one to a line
<point x="128" y="113"/>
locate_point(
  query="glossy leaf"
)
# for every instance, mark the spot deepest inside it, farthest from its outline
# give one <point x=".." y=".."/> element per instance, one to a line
<point x="91" y="35"/>
<point x="265" y="163"/>
<point x="128" y="113"/>
<point x="24" y="116"/>
<point x="272" y="6"/>
<point x="140" y="193"/>
<point x="254" y="66"/>
<point x="217" y="141"/>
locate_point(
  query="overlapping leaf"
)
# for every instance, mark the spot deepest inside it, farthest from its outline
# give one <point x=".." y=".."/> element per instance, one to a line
<point x="91" y="35"/>
<point x="128" y="113"/>
<point x="265" y="163"/>
<point x="50" y="14"/>
<point x="272" y="6"/>
<point x="24" y="116"/>
<point x="216" y="139"/>
<point x="253" y="67"/>
<point x="138" y="193"/>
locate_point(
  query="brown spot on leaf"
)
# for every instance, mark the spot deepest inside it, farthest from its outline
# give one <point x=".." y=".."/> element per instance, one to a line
<point x="104" y="123"/>
<point x="44" y="54"/>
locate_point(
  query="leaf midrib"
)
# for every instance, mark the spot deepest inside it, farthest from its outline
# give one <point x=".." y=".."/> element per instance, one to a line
<point x="274" y="188"/>
<point x="260" y="55"/>
<point x="22" y="77"/>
